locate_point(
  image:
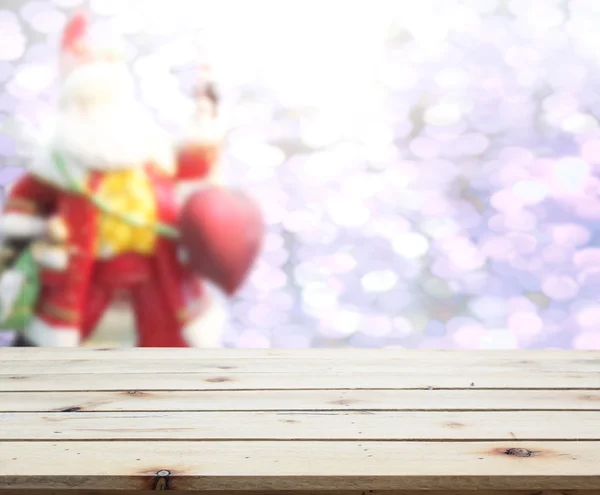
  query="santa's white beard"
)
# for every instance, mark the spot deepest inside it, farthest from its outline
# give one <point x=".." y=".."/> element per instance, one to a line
<point x="114" y="137"/>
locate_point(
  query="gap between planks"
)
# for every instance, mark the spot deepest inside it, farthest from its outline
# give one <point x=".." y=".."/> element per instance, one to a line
<point x="303" y="426"/>
<point x="341" y="364"/>
<point x="299" y="400"/>
<point x="298" y="381"/>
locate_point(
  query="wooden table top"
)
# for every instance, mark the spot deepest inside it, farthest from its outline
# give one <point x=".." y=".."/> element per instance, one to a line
<point x="290" y="421"/>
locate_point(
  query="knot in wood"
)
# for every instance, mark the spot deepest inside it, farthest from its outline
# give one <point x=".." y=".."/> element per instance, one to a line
<point x="518" y="452"/>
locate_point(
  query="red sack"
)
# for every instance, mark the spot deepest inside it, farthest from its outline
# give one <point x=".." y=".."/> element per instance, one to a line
<point x="222" y="232"/>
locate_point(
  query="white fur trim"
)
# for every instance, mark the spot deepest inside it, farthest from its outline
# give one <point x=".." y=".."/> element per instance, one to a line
<point x="19" y="225"/>
<point x="45" y="169"/>
<point x="206" y="331"/>
<point x="52" y="257"/>
<point x="43" y="334"/>
<point x="11" y="283"/>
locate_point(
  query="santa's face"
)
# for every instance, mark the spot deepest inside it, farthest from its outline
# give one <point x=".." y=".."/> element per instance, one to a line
<point x="101" y="125"/>
<point x="96" y="85"/>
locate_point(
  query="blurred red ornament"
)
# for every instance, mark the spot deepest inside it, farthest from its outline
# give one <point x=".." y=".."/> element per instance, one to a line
<point x="222" y="232"/>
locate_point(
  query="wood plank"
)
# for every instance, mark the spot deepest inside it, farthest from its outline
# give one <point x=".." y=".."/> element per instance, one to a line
<point x="302" y="465"/>
<point x="305" y="425"/>
<point x="481" y="356"/>
<point x="294" y="381"/>
<point x="302" y="400"/>
<point x="306" y="365"/>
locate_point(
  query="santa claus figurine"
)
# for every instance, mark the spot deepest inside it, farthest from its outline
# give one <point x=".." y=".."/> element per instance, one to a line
<point x="102" y="216"/>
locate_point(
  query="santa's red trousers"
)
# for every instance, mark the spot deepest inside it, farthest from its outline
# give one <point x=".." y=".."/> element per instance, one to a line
<point x="156" y="323"/>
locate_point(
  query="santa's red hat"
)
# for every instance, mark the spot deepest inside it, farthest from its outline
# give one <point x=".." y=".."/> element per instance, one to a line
<point x="77" y="48"/>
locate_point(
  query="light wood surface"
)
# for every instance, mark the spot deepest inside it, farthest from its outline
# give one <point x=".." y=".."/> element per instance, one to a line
<point x="483" y="357"/>
<point x="296" y="381"/>
<point x="306" y="365"/>
<point x="243" y="465"/>
<point x="303" y="425"/>
<point x="288" y="422"/>
<point x="303" y="400"/>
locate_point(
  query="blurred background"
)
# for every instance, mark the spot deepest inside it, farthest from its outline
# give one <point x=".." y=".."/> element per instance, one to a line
<point x="429" y="170"/>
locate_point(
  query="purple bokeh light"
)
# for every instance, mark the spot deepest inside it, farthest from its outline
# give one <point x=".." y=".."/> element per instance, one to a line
<point x="439" y="188"/>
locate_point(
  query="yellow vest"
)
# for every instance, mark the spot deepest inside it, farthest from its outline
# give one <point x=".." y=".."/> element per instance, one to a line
<point x="126" y="192"/>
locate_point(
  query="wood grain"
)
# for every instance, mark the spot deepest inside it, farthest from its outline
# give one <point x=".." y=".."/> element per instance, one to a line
<point x="481" y="356"/>
<point x="395" y="363"/>
<point x="335" y="422"/>
<point x="303" y="425"/>
<point x="302" y="400"/>
<point x="297" y="381"/>
<point x="301" y="465"/>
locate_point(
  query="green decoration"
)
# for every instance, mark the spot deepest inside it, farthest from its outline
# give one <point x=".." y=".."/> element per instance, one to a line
<point x="18" y="317"/>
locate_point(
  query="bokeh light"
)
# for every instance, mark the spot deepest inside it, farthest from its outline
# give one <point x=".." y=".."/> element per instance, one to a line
<point x="429" y="171"/>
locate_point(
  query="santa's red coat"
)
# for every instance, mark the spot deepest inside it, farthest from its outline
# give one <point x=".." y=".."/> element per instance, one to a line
<point x="166" y="297"/>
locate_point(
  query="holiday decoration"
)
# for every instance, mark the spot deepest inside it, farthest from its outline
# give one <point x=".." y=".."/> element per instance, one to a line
<point x="99" y="215"/>
<point x="207" y="222"/>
